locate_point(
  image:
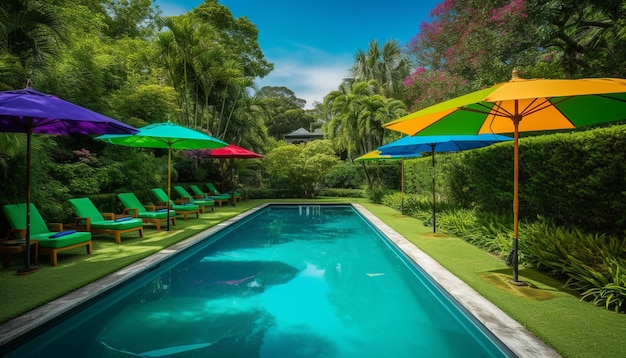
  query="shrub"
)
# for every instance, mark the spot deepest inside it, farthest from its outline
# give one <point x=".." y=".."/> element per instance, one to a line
<point x="341" y="193"/>
<point x="344" y="176"/>
<point x="592" y="264"/>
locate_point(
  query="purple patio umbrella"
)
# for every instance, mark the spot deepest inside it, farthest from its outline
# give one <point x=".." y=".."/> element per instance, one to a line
<point x="29" y="111"/>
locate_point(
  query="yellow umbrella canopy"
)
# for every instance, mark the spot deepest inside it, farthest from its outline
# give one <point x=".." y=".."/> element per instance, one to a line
<point x="376" y="155"/>
<point x="521" y="105"/>
<point x="373" y="155"/>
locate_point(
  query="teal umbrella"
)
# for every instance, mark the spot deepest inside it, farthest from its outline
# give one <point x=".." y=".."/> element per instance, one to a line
<point x="165" y="135"/>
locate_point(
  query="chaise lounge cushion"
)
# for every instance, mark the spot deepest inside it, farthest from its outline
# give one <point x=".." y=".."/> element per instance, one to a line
<point x="16" y="215"/>
<point x="185" y="195"/>
<point x="84" y="208"/>
<point x="40" y="231"/>
<point x="130" y="201"/>
<point x="162" y="197"/>
<point x="197" y="191"/>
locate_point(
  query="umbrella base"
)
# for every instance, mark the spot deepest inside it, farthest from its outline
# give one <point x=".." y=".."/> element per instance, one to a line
<point x="517" y="283"/>
<point x="27" y="270"/>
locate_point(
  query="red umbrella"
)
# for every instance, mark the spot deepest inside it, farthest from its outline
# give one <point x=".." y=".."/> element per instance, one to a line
<point x="230" y="151"/>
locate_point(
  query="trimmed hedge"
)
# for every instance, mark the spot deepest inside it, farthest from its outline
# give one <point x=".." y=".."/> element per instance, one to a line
<point x="574" y="179"/>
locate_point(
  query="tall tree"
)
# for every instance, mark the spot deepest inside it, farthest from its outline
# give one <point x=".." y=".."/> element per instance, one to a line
<point x="131" y="18"/>
<point x="480" y="40"/>
<point x="30" y="31"/>
<point x="357" y="115"/>
<point x="239" y="35"/>
<point x="387" y="65"/>
<point x="283" y="111"/>
<point x="584" y="34"/>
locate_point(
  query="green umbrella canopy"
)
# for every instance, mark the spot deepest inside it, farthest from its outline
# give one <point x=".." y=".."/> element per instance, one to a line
<point x="165" y="135"/>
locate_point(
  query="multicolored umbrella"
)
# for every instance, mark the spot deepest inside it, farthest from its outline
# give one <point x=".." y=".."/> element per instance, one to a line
<point x="377" y="156"/>
<point x="29" y="111"/>
<point x="165" y="135"/>
<point x="441" y="144"/>
<point x="521" y="105"/>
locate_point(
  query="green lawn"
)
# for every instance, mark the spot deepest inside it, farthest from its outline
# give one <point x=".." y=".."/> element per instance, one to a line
<point x="573" y="328"/>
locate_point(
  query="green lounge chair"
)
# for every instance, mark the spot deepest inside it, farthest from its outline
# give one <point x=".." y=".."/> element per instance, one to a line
<point x="42" y="232"/>
<point x="88" y="218"/>
<point x="202" y="203"/>
<point x="213" y="191"/>
<point x="147" y="213"/>
<point x="180" y="209"/>
<point x="199" y="194"/>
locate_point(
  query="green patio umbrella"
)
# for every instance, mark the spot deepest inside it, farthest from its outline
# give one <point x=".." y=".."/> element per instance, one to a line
<point x="165" y="135"/>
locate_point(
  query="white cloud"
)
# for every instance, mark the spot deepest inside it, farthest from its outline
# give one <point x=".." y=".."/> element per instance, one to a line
<point x="308" y="76"/>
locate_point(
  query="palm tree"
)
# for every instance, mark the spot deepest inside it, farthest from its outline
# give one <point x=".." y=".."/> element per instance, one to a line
<point x="358" y="112"/>
<point x="386" y="65"/>
<point x="29" y="31"/>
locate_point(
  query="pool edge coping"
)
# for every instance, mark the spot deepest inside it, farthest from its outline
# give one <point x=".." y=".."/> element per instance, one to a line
<point x="510" y="332"/>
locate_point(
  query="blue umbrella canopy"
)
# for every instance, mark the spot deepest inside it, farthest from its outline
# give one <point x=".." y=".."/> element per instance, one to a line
<point x="377" y="156"/>
<point x="439" y="143"/>
<point x="165" y="135"/>
<point x="30" y="111"/>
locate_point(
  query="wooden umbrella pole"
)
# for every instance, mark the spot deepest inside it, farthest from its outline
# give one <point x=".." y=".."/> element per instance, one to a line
<point x="516" y="119"/>
<point x="27" y="267"/>
<point x="432" y="146"/>
<point x="402" y="186"/>
<point x="169" y="183"/>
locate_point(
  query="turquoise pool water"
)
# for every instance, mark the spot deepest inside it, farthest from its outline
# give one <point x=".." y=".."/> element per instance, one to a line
<point x="287" y="281"/>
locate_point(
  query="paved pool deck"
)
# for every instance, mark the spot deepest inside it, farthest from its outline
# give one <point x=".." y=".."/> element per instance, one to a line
<point x="517" y="338"/>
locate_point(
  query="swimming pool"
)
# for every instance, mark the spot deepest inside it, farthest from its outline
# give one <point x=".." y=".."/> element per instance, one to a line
<point x="288" y="281"/>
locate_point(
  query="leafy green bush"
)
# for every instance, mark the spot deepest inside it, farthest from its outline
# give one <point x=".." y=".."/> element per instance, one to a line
<point x="390" y="198"/>
<point x="574" y="179"/>
<point x="341" y="193"/>
<point x="490" y="232"/>
<point x="609" y="288"/>
<point x="376" y="194"/>
<point x="301" y="167"/>
<point x="265" y="193"/>
<point x="344" y="176"/>
<point x="592" y="264"/>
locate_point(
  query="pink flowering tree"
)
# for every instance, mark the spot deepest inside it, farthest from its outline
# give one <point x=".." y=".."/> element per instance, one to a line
<point x="424" y="87"/>
<point x="480" y="41"/>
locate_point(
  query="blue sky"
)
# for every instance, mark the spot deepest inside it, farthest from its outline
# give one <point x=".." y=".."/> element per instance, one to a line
<point x="312" y="44"/>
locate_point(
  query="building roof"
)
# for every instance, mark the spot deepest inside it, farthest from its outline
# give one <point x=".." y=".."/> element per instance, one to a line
<point x="301" y="135"/>
<point x="300" y="132"/>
